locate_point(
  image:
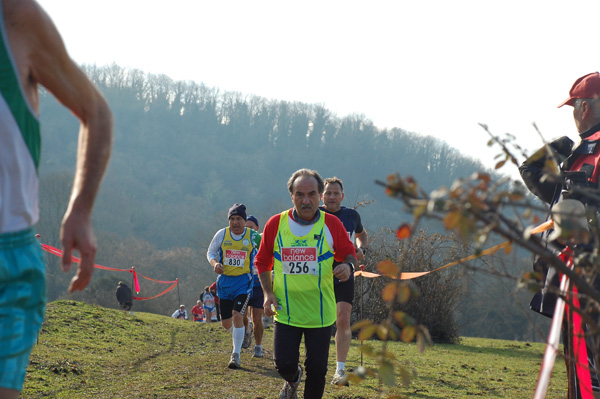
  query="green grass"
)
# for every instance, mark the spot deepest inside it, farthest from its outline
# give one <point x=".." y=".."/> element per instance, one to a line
<point x="89" y="351"/>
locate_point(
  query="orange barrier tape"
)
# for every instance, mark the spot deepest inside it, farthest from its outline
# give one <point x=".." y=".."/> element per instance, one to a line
<point x="411" y="275"/>
<point x="366" y="274"/>
<point x="542" y="227"/>
<point x="489" y="251"/>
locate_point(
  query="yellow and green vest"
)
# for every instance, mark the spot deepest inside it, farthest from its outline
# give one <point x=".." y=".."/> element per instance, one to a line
<point x="303" y="276"/>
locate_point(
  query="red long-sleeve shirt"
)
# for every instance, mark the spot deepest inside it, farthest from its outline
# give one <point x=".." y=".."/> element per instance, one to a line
<point x="334" y="230"/>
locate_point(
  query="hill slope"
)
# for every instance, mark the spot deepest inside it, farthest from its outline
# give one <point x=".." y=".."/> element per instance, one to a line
<point x="183" y="153"/>
<point x="89" y="351"/>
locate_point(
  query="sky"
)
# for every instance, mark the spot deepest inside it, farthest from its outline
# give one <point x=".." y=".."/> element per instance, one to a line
<point x="437" y="68"/>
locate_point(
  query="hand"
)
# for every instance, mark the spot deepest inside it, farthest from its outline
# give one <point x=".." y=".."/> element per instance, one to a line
<point x="562" y="146"/>
<point x="360" y="255"/>
<point x="76" y="233"/>
<point x="342" y="271"/>
<point x="218" y="268"/>
<point x="269" y="303"/>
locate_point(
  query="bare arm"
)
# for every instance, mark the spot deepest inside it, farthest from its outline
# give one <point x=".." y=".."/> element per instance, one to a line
<point x="361" y="240"/>
<point x="267" y="287"/>
<point x="344" y="270"/>
<point x="48" y="64"/>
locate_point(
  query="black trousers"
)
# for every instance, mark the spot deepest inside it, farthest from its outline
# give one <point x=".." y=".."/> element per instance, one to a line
<point x="286" y="348"/>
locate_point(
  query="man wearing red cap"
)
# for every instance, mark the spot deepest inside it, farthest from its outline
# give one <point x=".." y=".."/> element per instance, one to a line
<point x="579" y="181"/>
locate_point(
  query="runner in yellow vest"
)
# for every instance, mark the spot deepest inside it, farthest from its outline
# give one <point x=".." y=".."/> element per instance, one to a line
<point x="231" y="253"/>
<point x="299" y="246"/>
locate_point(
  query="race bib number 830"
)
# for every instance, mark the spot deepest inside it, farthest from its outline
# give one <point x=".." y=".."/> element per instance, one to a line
<point x="299" y="260"/>
<point x="234" y="258"/>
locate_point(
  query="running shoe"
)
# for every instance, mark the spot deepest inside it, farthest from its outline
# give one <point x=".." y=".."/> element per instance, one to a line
<point x="290" y="389"/>
<point x="339" y="378"/>
<point x="235" y="362"/>
<point x="247" y="340"/>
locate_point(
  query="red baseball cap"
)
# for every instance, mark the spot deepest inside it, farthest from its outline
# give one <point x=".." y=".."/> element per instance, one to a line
<point x="587" y="86"/>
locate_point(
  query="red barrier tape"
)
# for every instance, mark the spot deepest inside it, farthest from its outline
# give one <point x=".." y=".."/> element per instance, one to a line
<point x="158" y="281"/>
<point x="59" y="253"/>
<point x="137" y="298"/>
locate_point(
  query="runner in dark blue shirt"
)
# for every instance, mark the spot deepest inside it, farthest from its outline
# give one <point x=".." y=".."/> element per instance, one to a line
<point x="344" y="292"/>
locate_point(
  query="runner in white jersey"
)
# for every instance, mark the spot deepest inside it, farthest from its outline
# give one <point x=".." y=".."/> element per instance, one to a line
<point x="32" y="53"/>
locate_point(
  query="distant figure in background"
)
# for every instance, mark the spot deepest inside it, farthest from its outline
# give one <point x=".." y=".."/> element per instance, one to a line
<point x="198" y="311"/>
<point x="124" y="296"/>
<point x="217" y="312"/>
<point x="32" y="53"/>
<point x="209" y="304"/>
<point x="180" y="313"/>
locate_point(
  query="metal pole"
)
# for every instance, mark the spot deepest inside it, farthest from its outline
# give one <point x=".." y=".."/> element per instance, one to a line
<point x="362" y="278"/>
<point x="178" y="297"/>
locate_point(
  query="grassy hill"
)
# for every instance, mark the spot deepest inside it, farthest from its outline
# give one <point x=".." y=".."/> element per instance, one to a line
<point x="90" y="351"/>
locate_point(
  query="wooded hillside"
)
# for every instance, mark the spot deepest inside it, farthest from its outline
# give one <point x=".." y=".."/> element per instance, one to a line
<point x="184" y="153"/>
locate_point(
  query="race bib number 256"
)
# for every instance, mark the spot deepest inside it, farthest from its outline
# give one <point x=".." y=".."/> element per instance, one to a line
<point x="299" y="260"/>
